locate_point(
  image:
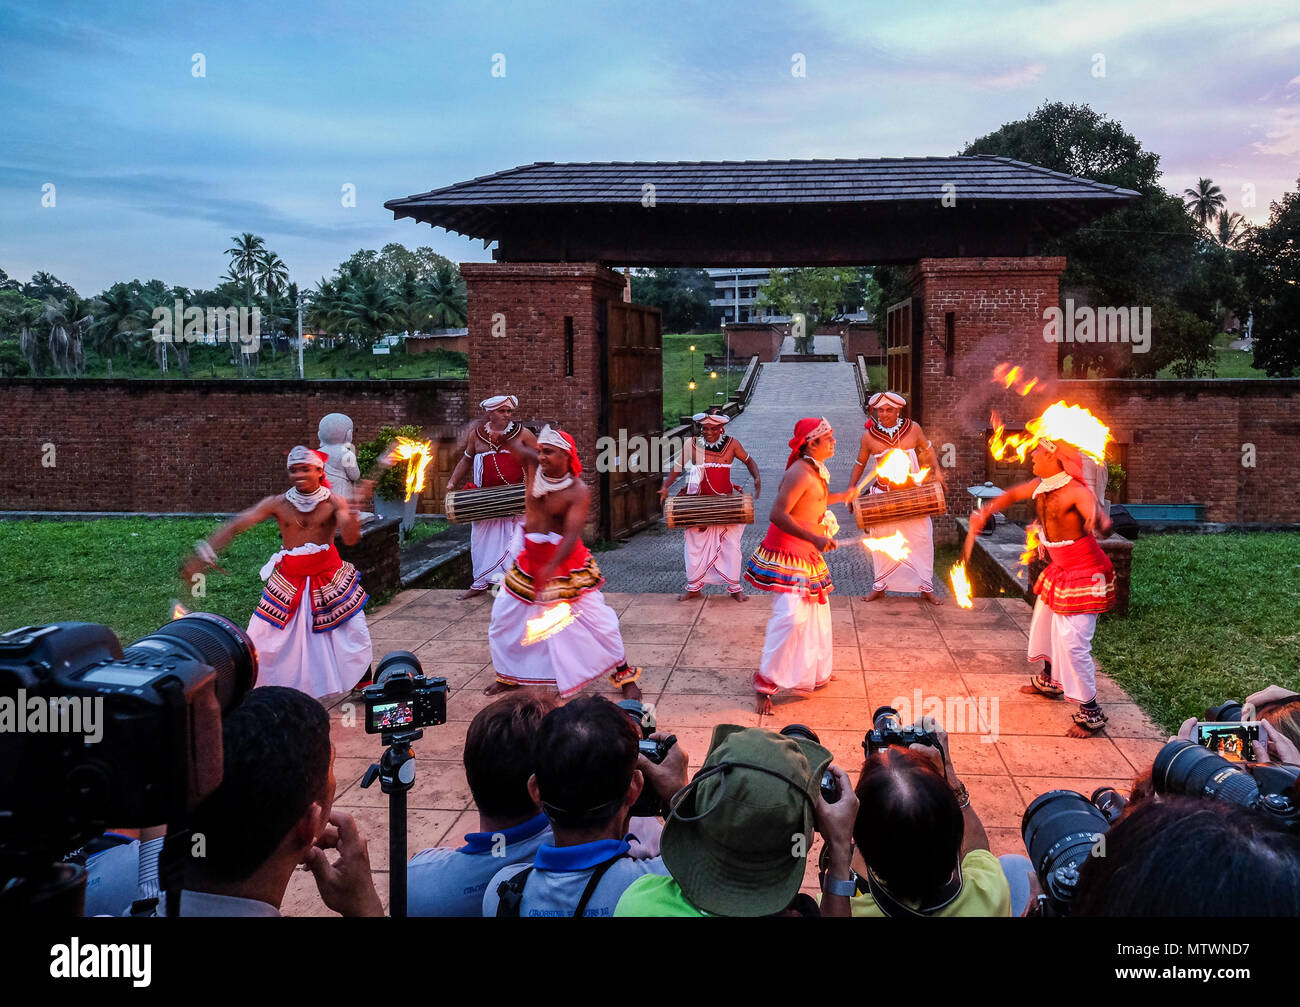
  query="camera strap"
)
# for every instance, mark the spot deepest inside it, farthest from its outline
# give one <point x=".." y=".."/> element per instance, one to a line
<point x="891" y="906"/>
<point x="510" y="894"/>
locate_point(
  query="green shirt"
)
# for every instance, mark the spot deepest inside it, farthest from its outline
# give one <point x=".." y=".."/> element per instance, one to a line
<point x="984" y="891"/>
<point x="655" y="895"/>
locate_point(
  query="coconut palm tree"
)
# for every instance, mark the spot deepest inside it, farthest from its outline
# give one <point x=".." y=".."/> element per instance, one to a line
<point x="120" y="322"/>
<point x="446" y="303"/>
<point x="370" y="307"/>
<point x="26" y="319"/>
<point x="272" y="273"/>
<point x="70" y="319"/>
<point x="245" y="255"/>
<point x="1231" y="229"/>
<point x="1204" y="201"/>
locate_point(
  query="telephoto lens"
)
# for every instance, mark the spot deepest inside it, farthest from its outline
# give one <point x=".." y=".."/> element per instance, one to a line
<point x="1224" y="713"/>
<point x="213" y="639"/>
<point x="1060" y="830"/>
<point x="1184" y="767"/>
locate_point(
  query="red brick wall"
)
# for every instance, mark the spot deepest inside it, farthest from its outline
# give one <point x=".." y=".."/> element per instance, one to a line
<point x="761" y="338"/>
<point x="528" y="358"/>
<point x="187" y="445"/>
<point x="863" y="339"/>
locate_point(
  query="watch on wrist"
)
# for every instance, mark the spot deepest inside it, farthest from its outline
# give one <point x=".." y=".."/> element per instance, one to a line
<point x="847" y="888"/>
<point x="963" y="796"/>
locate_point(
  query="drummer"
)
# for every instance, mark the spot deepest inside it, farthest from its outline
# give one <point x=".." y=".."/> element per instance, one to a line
<point x="712" y="551"/>
<point x="493" y="542"/>
<point x="886" y="430"/>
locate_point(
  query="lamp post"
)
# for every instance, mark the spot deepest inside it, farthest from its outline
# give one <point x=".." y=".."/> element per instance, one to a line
<point x="301" y="374"/>
<point x="691" y="386"/>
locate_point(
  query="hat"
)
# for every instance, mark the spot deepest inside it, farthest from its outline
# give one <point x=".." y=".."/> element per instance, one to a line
<point x="559" y="439"/>
<point x="888" y="399"/>
<point x="497" y="401"/>
<point x="302" y="455"/>
<point x="729" y="839"/>
<point x="804" y="431"/>
<point x="721" y="419"/>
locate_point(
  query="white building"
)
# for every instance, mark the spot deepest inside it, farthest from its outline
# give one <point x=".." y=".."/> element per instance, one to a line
<point x="738" y="289"/>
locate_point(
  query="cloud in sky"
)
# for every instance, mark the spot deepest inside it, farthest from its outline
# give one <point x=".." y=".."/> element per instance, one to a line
<point x="156" y="168"/>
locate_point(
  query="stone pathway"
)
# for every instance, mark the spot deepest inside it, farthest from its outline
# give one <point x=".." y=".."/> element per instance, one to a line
<point x="654" y="559"/>
<point x="698" y="657"/>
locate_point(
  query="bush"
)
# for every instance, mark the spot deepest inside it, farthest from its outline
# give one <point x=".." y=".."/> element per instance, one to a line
<point x="392" y="484"/>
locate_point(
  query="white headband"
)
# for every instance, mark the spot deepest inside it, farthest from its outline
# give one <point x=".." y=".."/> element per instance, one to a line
<point x="891" y="398"/>
<point x="553" y="438"/>
<point x="717" y="418"/>
<point x="497" y="401"/>
<point x="301" y="455"/>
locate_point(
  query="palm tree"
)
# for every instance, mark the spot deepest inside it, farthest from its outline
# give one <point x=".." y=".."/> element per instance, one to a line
<point x="412" y="296"/>
<point x="1231" y="230"/>
<point x="120" y="321"/>
<point x="446" y="304"/>
<point x="369" y="307"/>
<point x="69" y="320"/>
<point x="272" y="273"/>
<point x="26" y="318"/>
<point x="245" y="256"/>
<point x="1204" y="201"/>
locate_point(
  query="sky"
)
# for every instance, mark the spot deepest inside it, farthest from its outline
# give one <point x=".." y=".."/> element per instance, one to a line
<point x="154" y="166"/>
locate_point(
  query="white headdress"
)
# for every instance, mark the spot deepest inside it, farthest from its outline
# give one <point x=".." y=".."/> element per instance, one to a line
<point x="497" y="401"/>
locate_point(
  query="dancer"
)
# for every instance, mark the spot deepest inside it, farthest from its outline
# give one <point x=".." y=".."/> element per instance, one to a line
<point x="494" y="542"/>
<point x="886" y="430"/>
<point x="555" y="567"/>
<point x="789" y="562"/>
<point x="309" y="627"/>
<point x="1077" y="585"/>
<point x="713" y="551"/>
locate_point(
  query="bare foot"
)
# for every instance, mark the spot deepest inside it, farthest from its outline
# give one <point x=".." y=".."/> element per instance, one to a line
<point x="631" y="691"/>
<point x="498" y="687"/>
<point x="874" y="596"/>
<point x="931" y="597"/>
<point x="763" y="704"/>
<point x="473" y="592"/>
<point x="739" y="596"/>
<point x="1076" y="731"/>
<point x="689" y="596"/>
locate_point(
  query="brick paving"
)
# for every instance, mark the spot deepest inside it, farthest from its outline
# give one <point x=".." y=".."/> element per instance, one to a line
<point x="698" y="657"/>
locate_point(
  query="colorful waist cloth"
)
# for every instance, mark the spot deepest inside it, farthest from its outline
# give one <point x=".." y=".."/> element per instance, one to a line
<point x="789" y="565"/>
<point x="1080" y="579"/>
<point x="577" y="574"/>
<point x="336" y="592"/>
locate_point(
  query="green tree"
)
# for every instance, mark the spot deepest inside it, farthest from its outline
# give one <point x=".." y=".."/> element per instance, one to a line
<point x="1271" y="288"/>
<point x="681" y="295"/>
<point x="69" y="318"/>
<point x="1204" y="201"/>
<point x="445" y="303"/>
<point x="24" y="318"/>
<point x="821" y="293"/>
<point x="1230" y="229"/>
<point x="369" y="307"/>
<point x="245" y="257"/>
<point x="272" y="273"/>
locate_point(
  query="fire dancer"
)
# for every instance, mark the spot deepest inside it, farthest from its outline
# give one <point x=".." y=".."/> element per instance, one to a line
<point x="789" y="562"/>
<point x="493" y="542"/>
<point x="555" y="583"/>
<point x="713" y="551"/>
<point x="309" y="628"/>
<point x="1078" y="584"/>
<point x="886" y="431"/>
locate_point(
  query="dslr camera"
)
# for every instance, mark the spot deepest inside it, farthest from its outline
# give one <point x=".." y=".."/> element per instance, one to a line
<point x="1061" y="829"/>
<point x="887" y="731"/>
<point x="402" y="698"/>
<point x="649" y="804"/>
<point x="1183" y="767"/>
<point x="830" y="787"/>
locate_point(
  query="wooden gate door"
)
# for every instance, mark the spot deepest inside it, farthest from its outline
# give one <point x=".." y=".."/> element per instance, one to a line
<point x="632" y="407"/>
<point x="903" y="325"/>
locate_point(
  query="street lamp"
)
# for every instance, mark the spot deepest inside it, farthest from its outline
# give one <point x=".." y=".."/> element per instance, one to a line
<point x="691" y="386"/>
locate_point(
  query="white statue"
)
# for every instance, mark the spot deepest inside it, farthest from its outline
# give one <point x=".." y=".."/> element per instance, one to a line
<point x="335" y="433"/>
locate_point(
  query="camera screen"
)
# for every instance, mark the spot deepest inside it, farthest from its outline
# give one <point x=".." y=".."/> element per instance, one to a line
<point x="120" y="676"/>
<point x="1232" y="741"/>
<point x="390" y="716"/>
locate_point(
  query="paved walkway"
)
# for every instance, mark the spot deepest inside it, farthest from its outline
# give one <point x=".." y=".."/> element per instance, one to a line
<point x="654" y="560"/>
<point x="698" y="657"/>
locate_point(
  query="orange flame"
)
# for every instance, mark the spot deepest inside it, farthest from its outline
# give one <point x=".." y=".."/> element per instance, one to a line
<point x="895" y="546"/>
<point x="1059" y="422"/>
<point x="1007" y="375"/>
<point x="179" y="611"/>
<point x="1032" y="539"/>
<point x="544" y="626"/>
<point x="419" y="454"/>
<point x="895" y="467"/>
<point x="960" y="585"/>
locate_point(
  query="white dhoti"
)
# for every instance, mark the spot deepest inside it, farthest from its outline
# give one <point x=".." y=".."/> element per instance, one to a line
<point x="915" y="572"/>
<point x="1066" y="641"/>
<point x="586" y="649"/>
<point x="797" y="653"/>
<point x="493" y="546"/>
<point x="713" y="556"/>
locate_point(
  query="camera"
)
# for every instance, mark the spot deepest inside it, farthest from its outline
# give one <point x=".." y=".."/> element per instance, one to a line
<point x="96" y="736"/>
<point x="402" y="699"/>
<point x="887" y="730"/>
<point x="830" y="786"/>
<point x="1182" y="767"/>
<point x="1061" y="829"/>
<point x="650" y="804"/>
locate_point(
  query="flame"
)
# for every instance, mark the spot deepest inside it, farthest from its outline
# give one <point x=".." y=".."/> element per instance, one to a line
<point x="1007" y="375"/>
<point x="179" y="611"/>
<point x="960" y="585"/>
<point x="1059" y="422"/>
<point x="544" y="626"/>
<point x="895" y="546"/>
<point x="419" y="454"/>
<point x="1031" y="545"/>
<point x="895" y="467"/>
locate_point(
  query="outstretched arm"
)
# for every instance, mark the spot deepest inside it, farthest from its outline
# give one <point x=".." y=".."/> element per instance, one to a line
<point x="222" y="537"/>
<point x="526" y="453"/>
<point x="981" y="517"/>
<point x="742" y="455"/>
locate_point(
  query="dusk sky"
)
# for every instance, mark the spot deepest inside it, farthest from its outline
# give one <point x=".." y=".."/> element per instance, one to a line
<point x="155" y="169"/>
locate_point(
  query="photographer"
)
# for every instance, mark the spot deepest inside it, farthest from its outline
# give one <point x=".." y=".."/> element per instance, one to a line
<point x="498" y="763"/>
<point x="586" y="779"/>
<point x="736" y="841"/>
<point x="923" y="846"/>
<point x="1271" y="746"/>
<point x="270" y="814"/>
<point x="1281" y="709"/>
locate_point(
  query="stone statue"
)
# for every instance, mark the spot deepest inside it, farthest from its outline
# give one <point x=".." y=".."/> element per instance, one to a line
<point x="335" y="433"/>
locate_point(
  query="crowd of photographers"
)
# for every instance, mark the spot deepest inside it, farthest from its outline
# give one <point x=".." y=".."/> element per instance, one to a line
<point x="584" y="809"/>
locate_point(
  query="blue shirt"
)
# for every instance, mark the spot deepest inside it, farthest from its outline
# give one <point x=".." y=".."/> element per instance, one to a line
<point x="450" y="882"/>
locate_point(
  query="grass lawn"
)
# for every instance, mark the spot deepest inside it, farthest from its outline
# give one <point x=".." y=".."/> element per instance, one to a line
<point x="422" y="530"/>
<point x="677" y="375"/>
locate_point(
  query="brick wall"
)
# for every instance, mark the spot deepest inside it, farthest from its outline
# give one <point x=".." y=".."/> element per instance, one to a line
<point x="756" y="338"/>
<point x="864" y="339"/>
<point x="141" y="445"/>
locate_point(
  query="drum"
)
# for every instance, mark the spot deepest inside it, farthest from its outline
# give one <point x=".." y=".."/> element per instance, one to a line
<point x="690" y="510"/>
<point x="925" y="500"/>
<point x="463" y="506"/>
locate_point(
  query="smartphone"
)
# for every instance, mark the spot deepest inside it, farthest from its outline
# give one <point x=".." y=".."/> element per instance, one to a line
<point x="1233" y="741"/>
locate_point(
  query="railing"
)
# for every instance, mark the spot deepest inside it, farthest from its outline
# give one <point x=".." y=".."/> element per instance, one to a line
<point x="862" y="379"/>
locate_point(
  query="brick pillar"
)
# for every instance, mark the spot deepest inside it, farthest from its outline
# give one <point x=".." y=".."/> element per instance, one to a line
<point x="997" y="306"/>
<point x="520" y="344"/>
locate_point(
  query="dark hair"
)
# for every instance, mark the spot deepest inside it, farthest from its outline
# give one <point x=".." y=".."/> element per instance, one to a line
<point x="909" y="826"/>
<point x="1283" y="715"/>
<point x="1183" y="856"/>
<point x="499" y="753"/>
<point x="584" y="756"/>
<point x="276" y="747"/>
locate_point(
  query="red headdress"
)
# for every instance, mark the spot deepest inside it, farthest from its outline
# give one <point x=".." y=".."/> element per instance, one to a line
<point x="804" y="431"/>
<point x="559" y="439"/>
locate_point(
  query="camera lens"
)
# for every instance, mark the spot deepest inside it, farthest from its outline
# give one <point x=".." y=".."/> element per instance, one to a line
<point x="1110" y="802"/>
<point x="1224" y="713"/>
<point x="886" y="718"/>
<point x="801" y="731"/>
<point x="1182" y="767"/>
<point x="1060" y="829"/>
<point x="398" y="664"/>
<point x="212" y="639"/>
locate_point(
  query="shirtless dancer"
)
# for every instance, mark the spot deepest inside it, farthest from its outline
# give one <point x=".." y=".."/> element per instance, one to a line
<point x="886" y="430"/>
<point x="309" y="628"/>
<point x="556" y="566"/>
<point x="713" y="551"/>
<point x="1077" y="585"/>
<point x="494" y="542"/>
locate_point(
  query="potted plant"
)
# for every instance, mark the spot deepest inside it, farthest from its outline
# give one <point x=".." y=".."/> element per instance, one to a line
<point x="390" y="487"/>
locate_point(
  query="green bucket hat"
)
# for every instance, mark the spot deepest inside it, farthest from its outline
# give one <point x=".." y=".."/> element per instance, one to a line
<point x="731" y="836"/>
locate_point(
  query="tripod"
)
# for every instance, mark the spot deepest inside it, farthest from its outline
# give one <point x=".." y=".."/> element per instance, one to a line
<point x="396" y="774"/>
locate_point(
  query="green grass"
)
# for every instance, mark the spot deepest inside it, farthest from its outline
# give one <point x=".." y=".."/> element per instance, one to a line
<point x="423" y="530"/>
<point x="677" y="375"/>
<point x="1211" y="617"/>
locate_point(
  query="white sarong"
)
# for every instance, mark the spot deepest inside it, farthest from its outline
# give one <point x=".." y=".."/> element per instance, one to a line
<point x="586" y="649"/>
<point x="713" y="556"/>
<point x="1066" y="641"/>
<point x="797" y="653"/>
<point x="916" y="571"/>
